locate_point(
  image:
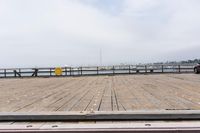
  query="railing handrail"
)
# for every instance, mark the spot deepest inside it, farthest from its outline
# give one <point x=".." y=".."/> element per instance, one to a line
<point x="190" y="64"/>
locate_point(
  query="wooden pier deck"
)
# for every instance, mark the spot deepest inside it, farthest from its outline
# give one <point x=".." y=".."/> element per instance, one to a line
<point x="101" y="93"/>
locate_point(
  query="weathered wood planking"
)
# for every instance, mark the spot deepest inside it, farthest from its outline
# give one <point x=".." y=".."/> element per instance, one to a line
<point x="101" y="93"/>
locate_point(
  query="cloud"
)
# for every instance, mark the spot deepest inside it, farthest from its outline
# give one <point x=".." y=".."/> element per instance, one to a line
<point x="163" y="23"/>
<point x="72" y="32"/>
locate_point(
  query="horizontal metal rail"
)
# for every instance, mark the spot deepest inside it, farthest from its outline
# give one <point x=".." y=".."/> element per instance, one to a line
<point x="150" y="127"/>
<point x="99" y="70"/>
<point x="96" y="116"/>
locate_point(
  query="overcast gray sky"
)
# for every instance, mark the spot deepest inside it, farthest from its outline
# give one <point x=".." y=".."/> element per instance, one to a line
<point x="72" y="32"/>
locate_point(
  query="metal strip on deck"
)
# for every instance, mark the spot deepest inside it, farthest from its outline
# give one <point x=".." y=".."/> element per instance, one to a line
<point x="87" y="116"/>
<point x="138" y="127"/>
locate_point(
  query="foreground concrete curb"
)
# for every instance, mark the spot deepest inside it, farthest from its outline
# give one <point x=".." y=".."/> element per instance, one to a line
<point x="88" y="116"/>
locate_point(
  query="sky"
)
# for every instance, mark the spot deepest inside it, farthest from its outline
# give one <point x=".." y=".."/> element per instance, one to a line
<point x="46" y="33"/>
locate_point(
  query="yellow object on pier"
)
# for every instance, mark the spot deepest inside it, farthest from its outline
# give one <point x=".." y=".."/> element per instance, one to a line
<point x="58" y="71"/>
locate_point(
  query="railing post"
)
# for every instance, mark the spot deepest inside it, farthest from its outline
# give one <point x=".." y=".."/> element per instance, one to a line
<point x="15" y="73"/>
<point x="113" y="70"/>
<point x="35" y="73"/>
<point x="81" y="71"/>
<point x="5" y="73"/>
<point x="50" y="72"/>
<point x="20" y="72"/>
<point x="65" y="71"/>
<point x="137" y="70"/>
<point x="179" y="68"/>
<point x="145" y="68"/>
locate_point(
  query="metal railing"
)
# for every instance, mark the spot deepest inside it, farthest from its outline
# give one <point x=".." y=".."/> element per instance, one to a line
<point x="98" y="70"/>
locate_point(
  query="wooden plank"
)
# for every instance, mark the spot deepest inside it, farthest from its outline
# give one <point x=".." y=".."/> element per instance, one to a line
<point x="95" y="103"/>
<point x="88" y="98"/>
<point x="106" y="99"/>
<point x="67" y="103"/>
